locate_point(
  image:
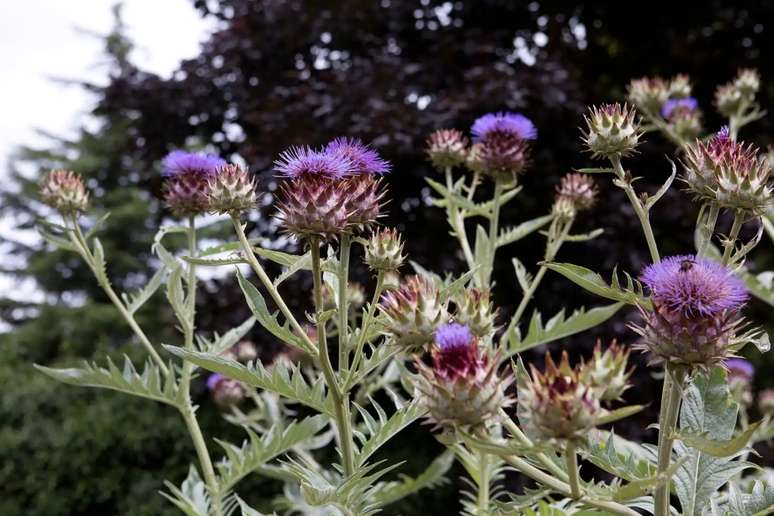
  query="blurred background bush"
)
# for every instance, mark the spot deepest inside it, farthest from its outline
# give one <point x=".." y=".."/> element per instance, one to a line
<point x="278" y="73"/>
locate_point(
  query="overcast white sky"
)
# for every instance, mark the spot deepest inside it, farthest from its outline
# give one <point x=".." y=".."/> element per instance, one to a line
<point x="40" y="40"/>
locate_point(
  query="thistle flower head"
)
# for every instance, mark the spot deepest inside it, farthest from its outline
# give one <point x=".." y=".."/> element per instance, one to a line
<point x="612" y="131"/>
<point x="514" y="124"/>
<point x="680" y="86"/>
<point x="64" y="191"/>
<point x="474" y="309"/>
<point x="447" y="148"/>
<point x="182" y="162"/>
<point x="501" y="144"/>
<point x="579" y="189"/>
<point x="766" y="402"/>
<point x="384" y="250"/>
<point x="695" y="313"/>
<point x="729" y="174"/>
<point x="297" y="162"/>
<point x="748" y="81"/>
<point x="648" y="94"/>
<point x="187" y="181"/>
<point x="733" y="96"/>
<point x="560" y="404"/>
<point x="462" y="387"/>
<point x="225" y="392"/>
<point x="413" y="312"/>
<point x="363" y="158"/>
<point x="606" y="373"/>
<point x="231" y="190"/>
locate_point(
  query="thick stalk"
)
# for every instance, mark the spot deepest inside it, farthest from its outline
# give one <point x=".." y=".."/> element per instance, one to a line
<point x="364" y="327"/>
<point x="730" y="242"/>
<point x="494" y="223"/>
<point x="639" y="209"/>
<point x="340" y="400"/>
<point x="571" y="457"/>
<point x="564" y="489"/>
<point x="267" y="283"/>
<point x="709" y="228"/>
<point x="187" y="409"/>
<point x="79" y="241"/>
<point x="483" y="484"/>
<point x="670" y="407"/>
<point x="344" y="252"/>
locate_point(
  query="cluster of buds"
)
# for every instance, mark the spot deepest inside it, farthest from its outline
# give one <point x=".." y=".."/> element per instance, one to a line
<point x="384" y="250"/>
<point x="684" y="117"/>
<point x="473" y="308"/>
<point x="413" y="312"/>
<point x="575" y="193"/>
<point x="560" y="403"/>
<point x="735" y="96"/>
<point x="356" y="296"/>
<point x="501" y="145"/>
<point x="766" y="402"/>
<point x="187" y="181"/>
<point x="648" y="94"/>
<point x="447" y="148"/>
<point x="728" y="174"/>
<point x="64" y="191"/>
<point x="740" y="377"/>
<point x="231" y="190"/>
<point x="332" y="191"/>
<point x="695" y="315"/>
<point x="613" y="131"/>
<point x="606" y="372"/>
<point x="225" y="392"/>
<point x="462" y="388"/>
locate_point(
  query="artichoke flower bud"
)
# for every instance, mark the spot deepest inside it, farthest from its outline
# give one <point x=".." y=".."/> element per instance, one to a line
<point x="384" y="250"/>
<point x="225" y="392"/>
<point x="695" y="315"/>
<point x="737" y="94"/>
<point x="501" y="145"/>
<point x="462" y="388"/>
<point x="606" y="372"/>
<point x="648" y="94"/>
<point x="447" y="148"/>
<point x="413" y="313"/>
<point x="187" y="181"/>
<point x="473" y="308"/>
<point x="231" y="190"/>
<point x="740" y="377"/>
<point x="680" y="86"/>
<point x="64" y="191"/>
<point x="560" y="404"/>
<point x="766" y="402"/>
<point x="579" y="189"/>
<point x="612" y="131"/>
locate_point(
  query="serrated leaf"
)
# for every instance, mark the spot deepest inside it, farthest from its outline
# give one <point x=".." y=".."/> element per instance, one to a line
<point x="100" y="270"/>
<point x="45" y="230"/>
<point x="639" y="487"/>
<point x="136" y="299"/>
<point x="220" y="343"/>
<point x="433" y="475"/>
<point x="559" y="327"/>
<point x="147" y="384"/>
<point x="719" y="448"/>
<point x="758" y="502"/>
<point x="302" y="262"/>
<point x="450" y="289"/>
<point x="481" y="250"/>
<point x="285" y="380"/>
<point x="760" y="285"/>
<point x="594" y="283"/>
<point x="595" y="170"/>
<point x="378" y="432"/>
<point x="191" y="497"/>
<point x="176" y="296"/>
<point x="522" y="275"/>
<point x="650" y="201"/>
<point x="257" y="450"/>
<point x="158" y="248"/>
<point x="619" y="457"/>
<point x="515" y="233"/>
<point x="268" y="320"/>
<point x="96" y="226"/>
<point x="214" y="262"/>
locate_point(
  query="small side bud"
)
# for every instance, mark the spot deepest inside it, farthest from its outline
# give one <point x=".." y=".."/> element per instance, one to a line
<point x="612" y="131"/>
<point x="413" y="313"/>
<point x="225" y="392"/>
<point x="606" y="372"/>
<point x="680" y="87"/>
<point x="473" y="308"/>
<point x="648" y="94"/>
<point x="384" y="250"/>
<point x="64" y="191"/>
<point x="447" y="148"/>
<point x="579" y="189"/>
<point x="231" y="190"/>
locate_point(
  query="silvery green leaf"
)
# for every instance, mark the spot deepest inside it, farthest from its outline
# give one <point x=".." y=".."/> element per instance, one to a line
<point x="135" y="300"/>
<point x="719" y="447"/>
<point x="96" y="226"/>
<point x="257" y="450"/>
<point x="760" y="285"/>
<point x="610" y="416"/>
<point x="758" y="502"/>
<point x="451" y="288"/>
<point x="176" y="296"/>
<point x="653" y="199"/>
<point x="559" y="327"/>
<point x="622" y="458"/>
<point x="377" y="431"/>
<point x="515" y="233"/>
<point x="481" y="249"/>
<point x="484" y="209"/>
<point x="147" y="384"/>
<point x="220" y="343"/>
<point x="522" y="275"/>
<point x="434" y="475"/>
<point x="249" y="511"/>
<point x="214" y="262"/>
<point x="708" y="409"/>
<point x="300" y="263"/>
<point x="100" y="270"/>
<point x="268" y="320"/>
<point x="595" y="170"/>
<point x="584" y="237"/>
<point x="191" y="497"/>
<point x="594" y="283"/>
<point x="285" y="380"/>
<point x="159" y="250"/>
<point x="46" y="230"/>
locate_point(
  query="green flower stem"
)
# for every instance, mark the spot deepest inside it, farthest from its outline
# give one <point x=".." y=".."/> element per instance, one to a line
<point x="709" y="228"/>
<point x="261" y="273"/>
<point x="186" y="407"/>
<point x="667" y="421"/>
<point x="457" y="221"/>
<point x="564" y="489"/>
<point x="364" y="327"/>
<point x="494" y="222"/>
<point x="639" y="208"/>
<point x="344" y="252"/>
<point x="473" y="185"/>
<point x="79" y="241"/>
<point x="571" y="456"/>
<point x="483" y="484"/>
<point x="516" y="432"/>
<point x="340" y="400"/>
<point x="730" y="242"/>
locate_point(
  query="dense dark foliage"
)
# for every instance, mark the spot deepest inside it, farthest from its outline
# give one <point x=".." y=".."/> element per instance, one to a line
<point x="280" y="73"/>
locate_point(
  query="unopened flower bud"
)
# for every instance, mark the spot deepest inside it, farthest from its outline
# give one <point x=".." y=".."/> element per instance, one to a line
<point x="733" y="96"/>
<point x="413" y="312"/>
<point x="384" y="251"/>
<point x="560" y="404"/>
<point x="246" y="351"/>
<point x="64" y="191"/>
<point x="748" y="81"/>
<point x="187" y="181"/>
<point x="501" y="144"/>
<point x="447" y="148"/>
<point x="462" y="388"/>
<point x="225" y="392"/>
<point x="606" y="372"/>
<point x="680" y="86"/>
<point x="612" y="131"/>
<point x="564" y="209"/>
<point x="473" y="308"/>
<point x="648" y="94"/>
<point x="579" y="189"/>
<point x="683" y="116"/>
<point x="231" y="190"/>
<point x="766" y="402"/>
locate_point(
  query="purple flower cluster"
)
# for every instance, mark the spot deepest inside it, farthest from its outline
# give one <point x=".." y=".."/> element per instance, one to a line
<point x="454" y="336"/>
<point x="694" y="286"/>
<point x="364" y="159"/>
<point x="514" y="124"/>
<point x="342" y="157"/>
<point x="674" y="107"/>
<point x="181" y="162"/>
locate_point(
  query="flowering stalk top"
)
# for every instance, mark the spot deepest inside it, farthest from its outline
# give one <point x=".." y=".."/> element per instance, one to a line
<point x="739" y="368"/>
<point x="187" y="181"/>
<point x="501" y="145"/>
<point x="514" y="124"/>
<point x="182" y="162"/>
<point x="679" y="107"/>
<point x="300" y="161"/>
<point x="364" y="159"/>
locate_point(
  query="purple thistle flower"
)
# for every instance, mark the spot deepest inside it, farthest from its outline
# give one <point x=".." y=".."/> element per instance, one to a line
<point x="365" y="159"/>
<point x="181" y="162"/>
<point x="739" y="368"/>
<point x="694" y="286"/>
<point x="213" y="380"/>
<point x="504" y="122"/>
<point x="453" y="337"/>
<point x="677" y="106"/>
<point x="299" y="161"/>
